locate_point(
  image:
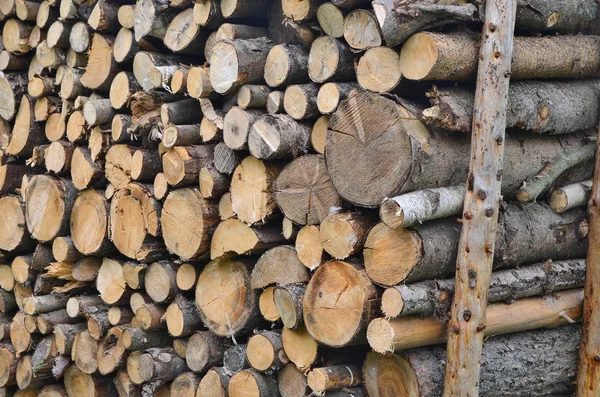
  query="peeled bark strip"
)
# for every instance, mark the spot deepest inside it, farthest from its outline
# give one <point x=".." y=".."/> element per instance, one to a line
<point x="330" y="59"/>
<point x="540" y="182"/>
<point x="89" y="223"/>
<point x="278" y="136"/>
<point x="286" y="64"/>
<point x="232" y="309"/>
<point x="309" y="246"/>
<point x="420" y="371"/>
<point x="249" y="178"/>
<point x="204" y="350"/>
<point x="414" y="208"/>
<point x="279" y="265"/>
<point x="527" y="314"/>
<point x="403" y="133"/>
<point x="536" y="233"/>
<point x="238" y="62"/>
<point x="288" y="300"/>
<point x="13" y="233"/>
<point x="570" y="196"/>
<point x="340" y="292"/>
<point x="304" y="192"/>
<point x="428" y="298"/>
<point x="433" y="56"/>
<point x="532" y="105"/>
<point x="182" y="164"/>
<point x="134" y="223"/>
<point x="237" y="125"/>
<point x="101" y="68"/>
<point x="399" y="22"/>
<point x="233" y="236"/>
<point x="343" y="234"/>
<point x="56" y="197"/>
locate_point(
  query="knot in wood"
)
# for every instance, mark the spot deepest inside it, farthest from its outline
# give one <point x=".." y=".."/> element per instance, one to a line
<point x="455" y="330"/>
<point x="468" y="216"/>
<point x="482" y="194"/>
<point x="597" y="357"/>
<point x="489" y="211"/>
<point x="481" y="327"/>
<point x="467" y="315"/>
<point x="492" y="27"/>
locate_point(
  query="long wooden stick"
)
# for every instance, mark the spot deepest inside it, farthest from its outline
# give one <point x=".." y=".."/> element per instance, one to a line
<point x="588" y="375"/>
<point x="482" y="201"/>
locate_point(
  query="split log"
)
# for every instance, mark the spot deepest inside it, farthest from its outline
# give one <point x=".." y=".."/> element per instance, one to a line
<point x="266" y="305"/>
<point x="288" y="300"/>
<point x="570" y="196"/>
<point x="250" y="380"/>
<point x="134" y="223"/>
<point x="103" y="17"/>
<point x="214" y="383"/>
<point x="12" y="87"/>
<point x="101" y="68"/>
<point x="237" y="125"/>
<point x="13" y="233"/>
<point x="300" y="101"/>
<point x="275" y="136"/>
<point x="88" y="224"/>
<point x="532" y="105"/>
<point x="182" y="164"/>
<point x="537" y="233"/>
<point x="253" y="96"/>
<point x="233" y="309"/>
<point x="421" y="206"/>
<point x="433" y="56"/>
<point x="309" y="247"/>
<point x="233" y="236"/>
<point x="265" y="351"/>
<point x="238" y="62"/>
<point x="325" y="298"/>
<point x="343" y="234"/>
<point x="286" y="64"/>
<point x="420" y="372"/>
<point x="428" y="298"/>
<point x="411" y="172"/>
<point x="85" y="173"/>
<point x="527" y="314"/>
<point x="279" y="265"/>
<point x="204" y="350"/>
<point x="330" y="59"/>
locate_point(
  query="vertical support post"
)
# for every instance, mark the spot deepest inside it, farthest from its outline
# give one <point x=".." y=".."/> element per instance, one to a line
<point x="482" y="202"/>
<point x="588" y="372"/>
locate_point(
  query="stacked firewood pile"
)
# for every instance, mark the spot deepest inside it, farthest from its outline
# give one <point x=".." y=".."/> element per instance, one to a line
<point x="262" y="197"/>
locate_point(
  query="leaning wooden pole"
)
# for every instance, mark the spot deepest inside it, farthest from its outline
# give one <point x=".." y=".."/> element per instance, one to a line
<point x="482" y="201"/>
<point x="588" y="375"/>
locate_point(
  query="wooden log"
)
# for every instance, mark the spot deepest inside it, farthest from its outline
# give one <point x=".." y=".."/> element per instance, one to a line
<point x="198" y="82"/>
<point x="248" y="68"/>
<point x="400" y="374"/>
<point x="48" y="322"/>
<point x="80" y="37"/>
<point x="126" y="47"/>
<point x="361" y="30"/>
<point x="110" y="282"/>
<point x="225" y="209"/>
<point x="309" y="246"/>
<point x="521" y="155"/>
<point x="84" y="352"/>
<point x="134" y="212"/>
<point x="133" y="362"/>
<point x="291" y="382"/>
<point x="26" y="378"/>
<point x="251" y="380"/>
<point x="275" y="102"/>
<point x="304" y="192"/>
<point x="235" y="359"/>
<point x="150" y="317"/>
<point x="182" y="164"/>
<point x="253" y="96"/>
<point x="185" y="385"/>
<point x="508" y="253"/>
<point x="266" y="305"/>
<point x="101" y="68"/>
<point x="288" y="300"/>
<point x="12" y="87"/>
<point x="226" y="159"/>
<point x="58" y="35"/>
<point x="214" y="383"/>
<point x="179" y="80"/>
<point x="145" y="164"/>
<point x="285" y="65"/>
<point x="45" y="106"/>
<point x="125" y="16"/>
<point x="125" y="386"/>
<point x="186" y="276"/>
<point x="530" y="60"/>
<point x="291" y="137"/>
<point x="9" y="61"/>
<point x="85" y="172"/>
<point x="300" y="347"/>
<point x="118" y="164"/>
<point x="299" y="11"/>
<point x="7" y="280"/>
<point x="343" y="234"/>
<point x="8" y="365"/>
<point x="268" y="269"/>
<point x="570" y="196"/>
<point x="76" y="305"/>
<point x="213" y="184"/>
<point x="181" y="112"/>
<point x="452" y="107"/>
<point x="300" y="101"/>
<point x="204" y="350"/>
<point x="428" y="298"/>
<point x="119" y="126"/>
<point x="231" y="310"/>
<point x="237" y="125"/>
<point x="161" y="186"/>
<point x="330" y="59"/>
<point x="13" y="233"/>
<point x="19" y="337"/>
<point x="79" y="383"/>
<point x="160" y="365"/>
<point x="103" y="17"/>
<point x="15" y="36"/>
<point x="151" y="18"/>
<point x="331" y="94"/>
<point x="58" y="157"/>
<point x="243" y="9"/>
<point x="120" y="315"/>
<point x="46" y="15"/>
<point x="136" y="339"/>
<point x="26" y="10"/>
<point x="233" y="236"/>
<point x="421" y="206"/>
<point x="265" y="351"/>
<point x="111" y="352"/>
<point x="89" y="221"/>
<point x="334" y="377"/>
<point x="86" y="269"/>
<point x="522" y="315"/>
<point x="229" y="31"/>
<point x="183" y="35"/>
<point x="337" y="279"/>
<point x="71" y="85"/>
<point x="160" y="281"/>
<point x="8" y="304"/>
<point x="98" y="112"/>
